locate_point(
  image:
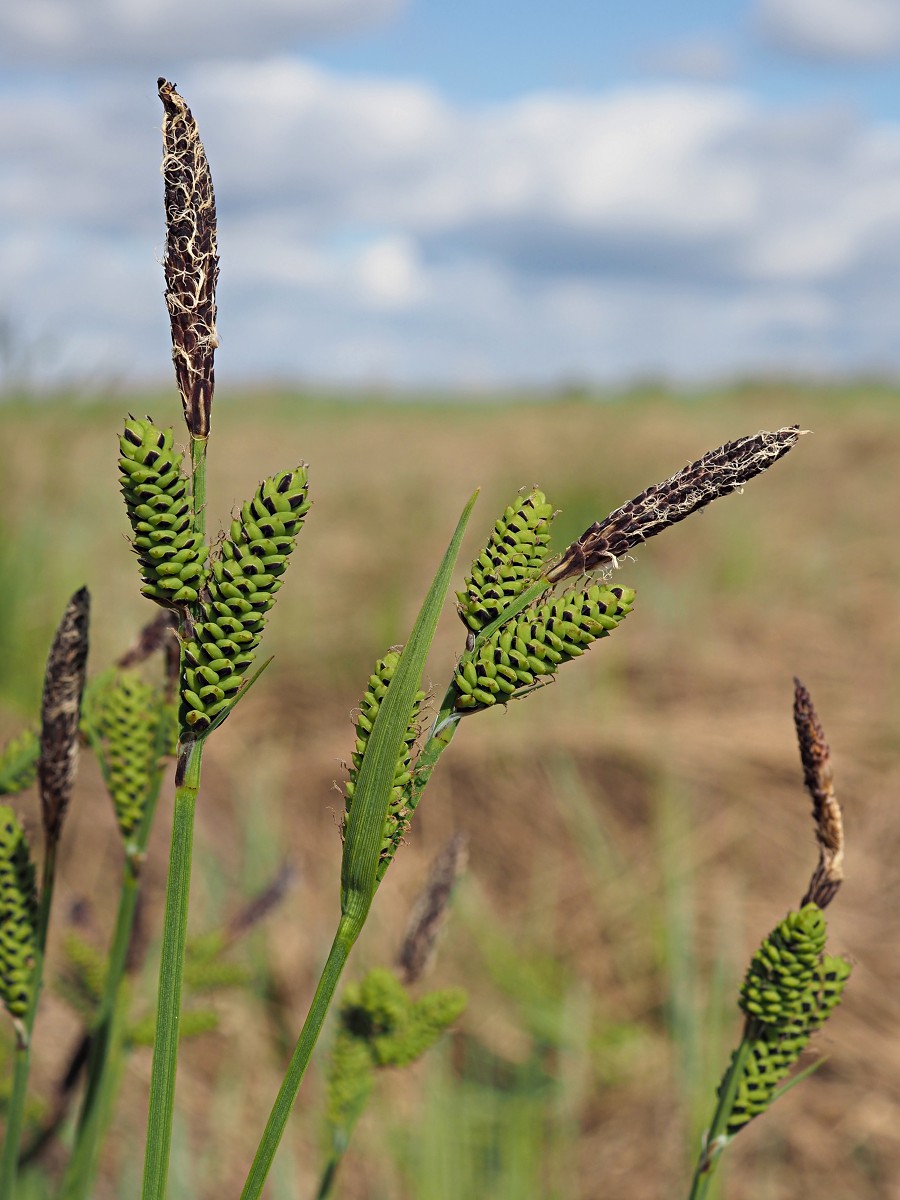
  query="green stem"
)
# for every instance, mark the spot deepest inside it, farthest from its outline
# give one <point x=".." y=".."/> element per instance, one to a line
<point x="165" y="1044"/>
<point x="100" y="1069"/>
<point x="347" y="932"/>
<point x="15" y="1113"/>
<point x="716" y="1137"/>
<point x="198" y="489"/>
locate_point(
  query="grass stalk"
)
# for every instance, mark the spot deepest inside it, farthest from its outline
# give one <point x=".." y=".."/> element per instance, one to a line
<point x="715" y="1139"/>
<point x="15" y="1113"/>
<point x="165" y="1043"/>
<point x="102" y="1065"/>
<point x="349" y="929"/>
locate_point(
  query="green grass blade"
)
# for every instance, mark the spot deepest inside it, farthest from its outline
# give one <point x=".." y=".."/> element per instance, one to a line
<point x="365" y="825"/>
<point x="362" y="847"/>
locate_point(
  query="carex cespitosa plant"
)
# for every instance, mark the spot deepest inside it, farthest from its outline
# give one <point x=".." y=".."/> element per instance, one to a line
<point x="526" y="613"/>
<point x="791" y="986"/>
<point x="221" y="600"/>
<point x="26" y="914"/>
<point x="519" y="633"/>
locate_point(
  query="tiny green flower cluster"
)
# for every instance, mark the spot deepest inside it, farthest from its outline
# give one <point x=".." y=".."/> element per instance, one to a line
<point x="18" y="916"/>
<point x="18" y="762"/>
<point x="400" y="806"/>
<point x="536" y="643"/>
<point x="171" y="556"/>
<point x="509" y="563"/>
<point x="790" y="988"/>
<point x="241" y="589"/>
<point x="122" y="716"/>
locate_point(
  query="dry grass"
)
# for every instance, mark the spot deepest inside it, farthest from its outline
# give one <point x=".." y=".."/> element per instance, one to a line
<point x="677" y="732"/>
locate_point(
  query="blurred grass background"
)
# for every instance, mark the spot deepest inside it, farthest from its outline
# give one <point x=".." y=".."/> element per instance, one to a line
<point x="635" y="829"/>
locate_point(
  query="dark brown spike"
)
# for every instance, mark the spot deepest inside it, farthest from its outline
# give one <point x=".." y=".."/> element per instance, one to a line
<point x="430" y="909"/>
<point x="61" y="712"/>
<point x="191" y="262"/>
<point x="716" y="474"/>
<point x="818" y="779"/>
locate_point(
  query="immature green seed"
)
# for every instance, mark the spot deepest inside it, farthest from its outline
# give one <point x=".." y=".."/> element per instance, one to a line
<point x="171" y="556"/>
<point x="18" y="916"/>
<point x="241" y="590"/>
<point x="509" y="563"/>
<point x="402" y="802"/>
<point x="18" y="762"/>
<point x="534" y="644"/>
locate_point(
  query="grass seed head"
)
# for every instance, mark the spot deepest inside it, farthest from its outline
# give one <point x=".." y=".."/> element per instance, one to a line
<point x="241" y="589"/>
<point x="18" y="931"/>
<point x="18" y="762"/>
<point x="509" y="563"/>
<point x="61" y="713"/>
<point x="401" y="804"/>
<point x="123" y="715"/>
<point x="535" y="644"/>
<point x="430" y="909"/>
<point x="818" y="779"/>
<point x="716" y="474"/>
<point x="191" y="261"/>
<point x="170" y="554"/>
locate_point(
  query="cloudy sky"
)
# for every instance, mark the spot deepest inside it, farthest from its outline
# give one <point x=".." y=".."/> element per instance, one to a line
<point x="463" y="194"/>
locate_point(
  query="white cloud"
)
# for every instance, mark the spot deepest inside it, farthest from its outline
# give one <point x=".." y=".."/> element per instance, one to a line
<point x="370" y="227"/>
<point x="705" y="58"/>
<point x="162" y="32"/>
<point x="852" y="30"/>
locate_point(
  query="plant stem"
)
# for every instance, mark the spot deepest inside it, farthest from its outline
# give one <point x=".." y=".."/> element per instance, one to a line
<point x="165" y="1044"/>
<point x="716" y="1137"/>
<point x="347" y="932"/>
<point x="198" y="488"/>
<point x="101" y="1067"/>
<point x="15" y="1113"/>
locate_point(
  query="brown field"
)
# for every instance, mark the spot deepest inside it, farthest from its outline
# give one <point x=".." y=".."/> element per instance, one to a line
<point x="635" y="829"/>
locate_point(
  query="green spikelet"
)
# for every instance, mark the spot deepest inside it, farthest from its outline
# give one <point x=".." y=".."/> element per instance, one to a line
<point x="509" y="563"/>
<point x="379" y="1012"/>
<point x="241" y="589"/>
<point x="796" y="988"/>
<point x="171" y="556"/>
<point x="122" y="717"/>
<point x="80" y="982"/>
<point x="18" y="915"/>
<point x="536" y="643"/>
<point x="18" y="762"/>
<point x="401" y="805"/>
<point x="784" y="968"/>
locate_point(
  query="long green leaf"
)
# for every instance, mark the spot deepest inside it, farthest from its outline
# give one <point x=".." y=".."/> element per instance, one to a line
<point x="362" y="846"/>
<point x="365" y="825"/>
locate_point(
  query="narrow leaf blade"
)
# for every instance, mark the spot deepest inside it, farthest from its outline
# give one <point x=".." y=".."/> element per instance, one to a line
<point x="365" y="824"/>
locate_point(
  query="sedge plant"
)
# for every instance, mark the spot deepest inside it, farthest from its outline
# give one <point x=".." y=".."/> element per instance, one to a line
<point x="526" y="613"/>
<point x="791" y="986"/>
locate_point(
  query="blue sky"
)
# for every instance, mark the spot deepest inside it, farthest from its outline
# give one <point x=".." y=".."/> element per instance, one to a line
<point x="463" y="194"/>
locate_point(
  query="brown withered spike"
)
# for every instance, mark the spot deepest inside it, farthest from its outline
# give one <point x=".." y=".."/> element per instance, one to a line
<point x="430" y="909"/>
<point x="815" y="756"/>
<point x="61" y="713"/>
<point x="191" y="262"/>
<point x="716" y="474"/>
